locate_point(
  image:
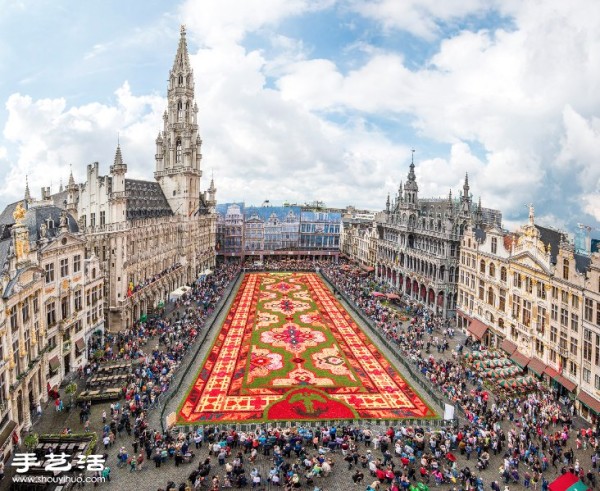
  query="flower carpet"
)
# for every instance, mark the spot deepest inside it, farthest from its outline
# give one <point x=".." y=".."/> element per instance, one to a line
<point x="289" y="351"/>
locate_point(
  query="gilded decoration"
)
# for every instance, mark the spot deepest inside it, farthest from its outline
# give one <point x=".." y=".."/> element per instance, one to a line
<point x="19" y="213"/>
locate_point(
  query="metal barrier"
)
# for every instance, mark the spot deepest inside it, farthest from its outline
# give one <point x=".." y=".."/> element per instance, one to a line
<point x="416" y="375"/>
<point x="384" y="424"/>
<point x="208" y="327"/>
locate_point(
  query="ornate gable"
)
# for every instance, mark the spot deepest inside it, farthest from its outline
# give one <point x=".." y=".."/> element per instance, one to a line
<point x="528" y="260"/>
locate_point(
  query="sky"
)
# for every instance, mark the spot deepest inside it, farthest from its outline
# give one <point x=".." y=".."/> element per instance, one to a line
<point x="304" y="100"/>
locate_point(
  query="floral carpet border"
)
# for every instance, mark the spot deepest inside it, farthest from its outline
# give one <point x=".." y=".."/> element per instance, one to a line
<point x="289" y="351"/>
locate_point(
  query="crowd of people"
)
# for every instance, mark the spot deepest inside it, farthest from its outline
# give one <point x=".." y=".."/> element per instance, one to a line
<point x="526" y="438"/>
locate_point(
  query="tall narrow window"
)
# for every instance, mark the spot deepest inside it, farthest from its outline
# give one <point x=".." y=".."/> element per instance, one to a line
<point x="179" y="111"/>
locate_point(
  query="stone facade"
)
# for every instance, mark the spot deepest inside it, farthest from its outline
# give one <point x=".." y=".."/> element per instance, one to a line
<point x="151" y="237"/>
<point x="289" y="231"/>
<point x="51" y="307"/>
<point x="358" y="239"/>
<point x="418" y="243"/>
<point x="530" y="294"/>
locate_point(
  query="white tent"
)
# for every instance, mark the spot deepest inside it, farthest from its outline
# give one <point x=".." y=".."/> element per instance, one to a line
<point x="177" y="294"/>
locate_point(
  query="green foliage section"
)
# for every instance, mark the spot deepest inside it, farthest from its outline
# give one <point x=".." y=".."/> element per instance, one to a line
<point x="301" y="295"/>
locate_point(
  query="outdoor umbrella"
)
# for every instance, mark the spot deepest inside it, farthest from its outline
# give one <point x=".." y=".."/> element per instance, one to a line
<point x="378" y="294"/>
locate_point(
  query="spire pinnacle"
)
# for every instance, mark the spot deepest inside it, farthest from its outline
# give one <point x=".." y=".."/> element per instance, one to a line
<point x="27" y="193"/>
<point x="182" y="59"/>
<point x="71" y="179"/>
<point x="118" y="156"/>
<point x="466" y="187"/>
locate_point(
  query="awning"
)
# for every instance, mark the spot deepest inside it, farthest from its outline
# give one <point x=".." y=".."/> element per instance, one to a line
<point x="80" y="344"/>
<point x="566" y="383"/>
<point x="537" y="366"/>
<point x="550" y="372"/>
<point x="508" y="346"/>
<point x="520" y="359"/>
<point x="54" y="363"/>
<point x="477" y="328"/>
<point x="377" y="294"/>
<point x="590" y="401"/>
<point x="368" y="269"/>
<point x="7" y="432"/>
<point x="393" y="296"/>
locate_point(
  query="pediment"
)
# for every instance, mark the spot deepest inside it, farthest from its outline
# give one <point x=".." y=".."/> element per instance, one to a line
<point x="62" y="241"/>
<point x="528" y="260"/>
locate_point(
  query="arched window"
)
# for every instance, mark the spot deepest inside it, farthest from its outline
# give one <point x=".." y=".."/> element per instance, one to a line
<point x="180" y="80"/>
<point x="502" y="273"/>
<point x="178" y="152"/>
<point x="179" y="111"/>
<point x="565" y="269"/>
<point x="482" y="266"/>
<point x="492" y="269"/>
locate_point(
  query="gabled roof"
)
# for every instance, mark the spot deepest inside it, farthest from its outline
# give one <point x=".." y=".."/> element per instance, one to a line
<point x="145" y="199"/>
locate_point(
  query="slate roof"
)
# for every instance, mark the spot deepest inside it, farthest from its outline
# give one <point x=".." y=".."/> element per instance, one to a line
<point x="480" y="234"/>
<point x="552" y="237"/>
<point x="4" y="250"/>
<point x="50" y="215"/>
<point x="582" y="263"/>
<point x="145" y="199"/>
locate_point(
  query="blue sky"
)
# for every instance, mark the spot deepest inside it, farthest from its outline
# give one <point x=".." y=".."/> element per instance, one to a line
<point x="304" y="100"/>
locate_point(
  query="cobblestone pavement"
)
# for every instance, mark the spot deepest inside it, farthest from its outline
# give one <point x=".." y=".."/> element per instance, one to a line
<point x="151" y="478"/>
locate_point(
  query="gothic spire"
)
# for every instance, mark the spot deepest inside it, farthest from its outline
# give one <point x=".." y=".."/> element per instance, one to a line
<point x="71" y="179"/>
<point x="466" y="186"/>
<point x="118" y="156"/>
<point x="27" y="193"/>
<point x="182" y="59"/>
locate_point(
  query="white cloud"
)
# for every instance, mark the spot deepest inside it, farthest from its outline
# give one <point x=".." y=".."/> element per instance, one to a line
<point x="517" y="107"/>
<point x="419" y="17"/>
<point x="49" y="136"/>
<point x="218" y="22"/>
